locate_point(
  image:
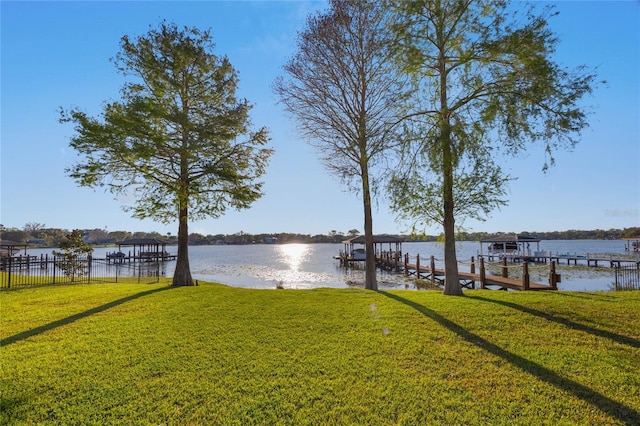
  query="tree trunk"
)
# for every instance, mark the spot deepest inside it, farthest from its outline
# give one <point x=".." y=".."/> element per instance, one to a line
<point x="371" y="282"/>
<point x="452" y="280"/>
<point x="182" y="274"/>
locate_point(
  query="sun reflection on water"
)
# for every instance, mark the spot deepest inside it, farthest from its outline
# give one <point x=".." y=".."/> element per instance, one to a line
<point x="293" y="255"/>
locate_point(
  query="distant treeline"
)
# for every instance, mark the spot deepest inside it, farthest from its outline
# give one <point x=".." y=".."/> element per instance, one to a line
<point x="572" y="234"/>
<point x="37" y="235"/>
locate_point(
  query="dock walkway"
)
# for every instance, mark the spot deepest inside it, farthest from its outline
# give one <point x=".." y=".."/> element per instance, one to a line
<point x="575" y="259"/>
<point x="469" y="279"/>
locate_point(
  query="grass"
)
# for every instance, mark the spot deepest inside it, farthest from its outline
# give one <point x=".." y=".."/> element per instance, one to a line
<point x="149" y="354"/>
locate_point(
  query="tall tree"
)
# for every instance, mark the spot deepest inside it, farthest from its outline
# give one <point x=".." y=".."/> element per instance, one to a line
<point x="344" y="92"/>
<point x="33" y="227"/>
<point x="489" y="84"/>
<point x="179" y="140"/>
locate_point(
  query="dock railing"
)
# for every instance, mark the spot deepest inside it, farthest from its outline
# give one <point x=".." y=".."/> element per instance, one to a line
<point x="480" y="271"/>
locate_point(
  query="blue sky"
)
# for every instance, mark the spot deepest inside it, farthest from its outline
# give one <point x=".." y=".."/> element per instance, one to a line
<point x="56" y="54"/>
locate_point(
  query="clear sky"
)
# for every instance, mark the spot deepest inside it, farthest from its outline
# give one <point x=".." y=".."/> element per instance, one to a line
<point x="56" y="54"/>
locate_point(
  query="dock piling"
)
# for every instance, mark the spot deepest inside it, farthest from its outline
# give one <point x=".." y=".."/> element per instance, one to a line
<point x="433" y="271"/>
<point x="525" y="275"/>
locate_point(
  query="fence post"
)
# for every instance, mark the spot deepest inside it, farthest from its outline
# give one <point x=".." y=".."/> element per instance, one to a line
<point x="54" y="269"/>
<point x="10" y="269"/>
<point x="418" y="266"/>
<point x="89" y="261"/>
<point x="483" y="276"/>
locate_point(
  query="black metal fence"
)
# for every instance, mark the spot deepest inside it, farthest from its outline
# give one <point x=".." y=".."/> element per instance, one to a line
<point x="24" y="271"/>
<point x="627" y="277"/>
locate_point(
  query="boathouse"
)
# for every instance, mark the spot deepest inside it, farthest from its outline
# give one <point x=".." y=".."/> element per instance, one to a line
<point x="144" y="249"/>
<point x="380" y="242"/>
<point x="511" y="245"/>
<point x="11" y="248"/>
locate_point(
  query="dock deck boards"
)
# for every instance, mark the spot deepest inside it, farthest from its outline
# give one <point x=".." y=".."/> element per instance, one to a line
<point x="569" y="259"/>
<point x="512" y="283"/>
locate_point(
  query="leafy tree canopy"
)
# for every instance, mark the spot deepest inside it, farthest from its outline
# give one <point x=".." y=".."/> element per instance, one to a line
<point x="486" y="85"/>
<point x="179" y="140"/>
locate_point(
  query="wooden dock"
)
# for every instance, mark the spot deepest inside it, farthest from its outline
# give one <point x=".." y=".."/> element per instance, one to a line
<point x="576" y="260"/>
<point x="120" y="257"/>
<point x="399" y="263"/>
<point x="468" y="279"/>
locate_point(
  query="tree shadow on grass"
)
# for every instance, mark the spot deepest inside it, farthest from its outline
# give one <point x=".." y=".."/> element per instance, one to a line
<point x="600" y="295"/>
<point x="68" y="320"/>
<point x="615" y="409"/>
<point x="625" y="340"/>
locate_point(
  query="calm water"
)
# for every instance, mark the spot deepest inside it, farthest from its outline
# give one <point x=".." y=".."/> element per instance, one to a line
<point x="304" y="266"/>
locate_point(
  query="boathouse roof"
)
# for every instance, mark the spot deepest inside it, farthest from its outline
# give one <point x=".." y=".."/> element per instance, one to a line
<point x="142" y="242"/>
<point x="376" y="239"/>
<point x="10" y="246"/>
<point x="9" y="243"/>
<point x="508" y="238"/>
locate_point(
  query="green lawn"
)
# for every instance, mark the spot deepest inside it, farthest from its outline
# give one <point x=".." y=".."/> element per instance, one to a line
<point x="213" y="355"/>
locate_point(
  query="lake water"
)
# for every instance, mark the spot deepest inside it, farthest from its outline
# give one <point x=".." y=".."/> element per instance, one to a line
<point x="305" y="266"/>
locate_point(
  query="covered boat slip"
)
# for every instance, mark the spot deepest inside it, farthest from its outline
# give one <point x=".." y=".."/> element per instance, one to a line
<point x="10" y="252"/>
<point x="144" y="250"/>
<point x="385" y="247"/>
<point x="512" y="246"/>
<point x="11" y="248"/>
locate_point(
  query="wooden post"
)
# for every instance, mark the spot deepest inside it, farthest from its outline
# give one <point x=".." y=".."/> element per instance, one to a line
<point x="553" y="279"/>
<point x="418" y="265"/>
<point x="483" y="276"/>
<point x="473" y="271"/>
<point x="525" y="275"/>
<point x="505" y="271"/>
<point x="406" y="263"/>
<point x="433" y="270"/>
